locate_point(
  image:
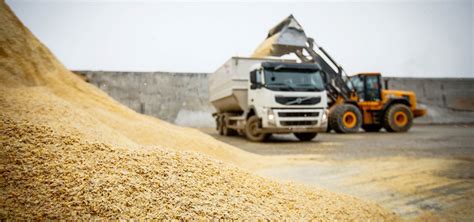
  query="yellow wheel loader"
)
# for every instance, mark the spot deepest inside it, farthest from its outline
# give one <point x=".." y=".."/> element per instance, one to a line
<point x="355" y="102"/>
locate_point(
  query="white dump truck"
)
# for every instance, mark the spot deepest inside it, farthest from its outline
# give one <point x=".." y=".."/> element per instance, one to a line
<point x="259" y="97"/>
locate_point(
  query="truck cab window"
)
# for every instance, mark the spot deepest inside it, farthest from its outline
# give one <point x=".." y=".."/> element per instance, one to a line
<point x="293" y="80"/>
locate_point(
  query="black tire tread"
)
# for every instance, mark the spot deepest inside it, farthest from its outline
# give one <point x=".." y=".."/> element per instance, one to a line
<point x="389" y="125"/>
<point x="335" y="114"/>
<point x="262" y="138"/>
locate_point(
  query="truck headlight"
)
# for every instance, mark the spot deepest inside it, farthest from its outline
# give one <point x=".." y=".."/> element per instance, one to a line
<point x="325" y="116"/>
<point x="271" y="117"/>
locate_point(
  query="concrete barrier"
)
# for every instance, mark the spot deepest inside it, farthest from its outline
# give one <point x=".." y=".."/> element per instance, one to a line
<point x="182" y="98"/>
<point x="448" y="100"/>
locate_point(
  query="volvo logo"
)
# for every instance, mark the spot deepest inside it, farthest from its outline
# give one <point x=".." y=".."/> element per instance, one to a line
<point x="298" y="100"/>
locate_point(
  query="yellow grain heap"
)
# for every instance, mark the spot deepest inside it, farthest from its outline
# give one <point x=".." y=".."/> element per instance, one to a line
<point x="69" y="151"/>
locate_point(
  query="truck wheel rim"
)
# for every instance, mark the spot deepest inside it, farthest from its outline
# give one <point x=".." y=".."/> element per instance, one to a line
<point x="400" y="118"/>
<point x="349" y="119"/>
<point x="253" y="129"/>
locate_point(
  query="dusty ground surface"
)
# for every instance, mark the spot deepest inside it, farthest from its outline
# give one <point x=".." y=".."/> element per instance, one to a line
<point x="426" y="173"/>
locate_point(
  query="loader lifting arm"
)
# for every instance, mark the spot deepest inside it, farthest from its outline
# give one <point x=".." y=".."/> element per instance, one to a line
<point x="289" y="37"/>
<point x="356" y="102"/>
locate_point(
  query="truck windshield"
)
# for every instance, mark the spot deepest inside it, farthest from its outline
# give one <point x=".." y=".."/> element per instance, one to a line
<point x="293" y="80"/>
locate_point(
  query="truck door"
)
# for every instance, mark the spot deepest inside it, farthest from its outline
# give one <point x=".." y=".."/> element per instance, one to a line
<point x="256" y="85"/>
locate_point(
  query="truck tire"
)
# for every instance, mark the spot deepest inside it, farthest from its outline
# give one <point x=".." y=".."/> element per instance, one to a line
<point x="305" y="136"/>
<point x="398" y="118"/>
<point x="253" y="124"/>
<point x="226" y="131"/>
<point x="345" y="118"/>
<point x="372" y="127"/>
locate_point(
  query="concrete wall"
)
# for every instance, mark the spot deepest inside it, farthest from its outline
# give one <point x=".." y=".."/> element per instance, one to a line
<point x="179" y="98"/>
<point x="448" y="100"/>
<point x="182" y="98"/>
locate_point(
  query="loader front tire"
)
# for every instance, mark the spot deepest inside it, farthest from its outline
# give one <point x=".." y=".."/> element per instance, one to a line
<point x="345" y="118"/>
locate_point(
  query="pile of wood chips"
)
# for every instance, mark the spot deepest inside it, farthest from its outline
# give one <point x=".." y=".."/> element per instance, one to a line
<point x="68" y="151"/>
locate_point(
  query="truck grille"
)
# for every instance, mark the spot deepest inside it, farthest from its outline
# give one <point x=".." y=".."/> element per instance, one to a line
<point x="298" y="114"/>
<point x="298" y="123"/>
<point x="297" y="100"/>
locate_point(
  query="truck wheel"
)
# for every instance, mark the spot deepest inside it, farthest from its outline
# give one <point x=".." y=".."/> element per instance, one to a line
<point x="372" y="127"/>
<point x="305" y="136"/>
<point x="398" y="118"/>
<point x="345" y="118"/>
<point x="251" y="130"/>
<point x="226" y="131"/>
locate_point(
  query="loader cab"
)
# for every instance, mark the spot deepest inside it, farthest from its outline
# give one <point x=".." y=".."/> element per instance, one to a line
<point x="368" y="86"/>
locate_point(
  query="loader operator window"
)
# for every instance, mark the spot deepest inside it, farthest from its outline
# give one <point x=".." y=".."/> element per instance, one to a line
<point x="372" y="88"/>
<point x="358" y="82"/>
<point x="293" y="80"/>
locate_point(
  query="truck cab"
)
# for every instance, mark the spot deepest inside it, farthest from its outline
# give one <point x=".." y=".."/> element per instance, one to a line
<point x="260" y="97"/>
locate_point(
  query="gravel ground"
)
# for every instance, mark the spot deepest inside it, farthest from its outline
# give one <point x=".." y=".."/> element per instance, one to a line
<point x="447" y="141"/>
<point x="426" y="173"/>
<point x="70" y="152"/>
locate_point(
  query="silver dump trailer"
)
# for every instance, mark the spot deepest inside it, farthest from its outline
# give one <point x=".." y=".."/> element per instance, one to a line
<point x="258" y="97"/>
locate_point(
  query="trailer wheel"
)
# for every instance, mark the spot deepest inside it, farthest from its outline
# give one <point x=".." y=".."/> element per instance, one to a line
<point x="398" y="118"/>
<point x="226" y="131"/>
<point x="372" y="127"/>
<point x="305" y="136"/>
<point x="254" y="124"/>
<point x="345" y="118"/>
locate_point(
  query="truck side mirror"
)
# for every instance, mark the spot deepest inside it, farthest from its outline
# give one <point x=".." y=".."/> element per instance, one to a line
<point x="253" y="77"/>
<point x="254" y="84"/>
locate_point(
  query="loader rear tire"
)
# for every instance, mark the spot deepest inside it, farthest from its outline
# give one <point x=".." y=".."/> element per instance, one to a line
<point x="254" y="124"/>
<point x="345" y="118"/>
<point x="305" y="136"/>
<point x="398" y="118"/>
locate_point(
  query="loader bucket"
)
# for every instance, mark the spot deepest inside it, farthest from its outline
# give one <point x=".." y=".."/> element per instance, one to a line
<point x="284" y="38"/>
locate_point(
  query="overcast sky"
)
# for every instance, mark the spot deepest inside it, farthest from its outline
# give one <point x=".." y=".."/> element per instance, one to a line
<point x="420" y="38"/>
